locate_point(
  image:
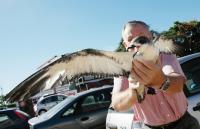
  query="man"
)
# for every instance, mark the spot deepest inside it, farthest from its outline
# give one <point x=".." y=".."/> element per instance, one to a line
<point x="164" y="105"/>
<point x="27" y="107"/>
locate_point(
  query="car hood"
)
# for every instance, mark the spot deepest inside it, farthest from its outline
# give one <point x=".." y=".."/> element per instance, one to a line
<point x="39" y="119"/>
<point x="52" y="112"/>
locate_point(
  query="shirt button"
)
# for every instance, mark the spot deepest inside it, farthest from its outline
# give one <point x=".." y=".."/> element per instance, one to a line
<point x="168" y="115"/>
<point x="161" y="102"/>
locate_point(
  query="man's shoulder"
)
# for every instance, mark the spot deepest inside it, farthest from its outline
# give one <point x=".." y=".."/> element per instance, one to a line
<point x="168" y="57"/>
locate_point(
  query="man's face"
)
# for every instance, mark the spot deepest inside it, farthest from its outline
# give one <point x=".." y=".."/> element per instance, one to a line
<point x="22" y="103"/>
<point x="132" y="31"/>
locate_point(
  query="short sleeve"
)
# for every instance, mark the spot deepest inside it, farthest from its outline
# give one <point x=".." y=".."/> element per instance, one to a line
<point x="120" y="84"/>
<point x="170" y="64"/>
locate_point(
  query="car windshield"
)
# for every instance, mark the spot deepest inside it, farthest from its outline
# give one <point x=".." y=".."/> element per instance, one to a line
<point x="58" y="107"/>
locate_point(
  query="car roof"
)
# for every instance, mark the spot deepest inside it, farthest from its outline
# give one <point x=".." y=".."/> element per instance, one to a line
<point x="93" y="90"/>
<point x="8" y="109"/>
<point x="53" y="95"/>
<point x="50" y="95"/>
<point x="188" y="57"/>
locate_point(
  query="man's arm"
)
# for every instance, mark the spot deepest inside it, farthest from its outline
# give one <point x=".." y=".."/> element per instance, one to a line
<point x="122" y="96"/>
<point x="123" y="100"/>
<point x="151" y="74"/>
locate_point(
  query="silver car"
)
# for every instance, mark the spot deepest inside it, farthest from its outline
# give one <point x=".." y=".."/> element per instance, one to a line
<point x="85" y="110"/>
<point x="47" y="102"/>
<point x="191" y="67"/>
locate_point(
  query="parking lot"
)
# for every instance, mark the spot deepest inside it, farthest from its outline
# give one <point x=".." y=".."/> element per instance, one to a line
<point x="89" y="109"/>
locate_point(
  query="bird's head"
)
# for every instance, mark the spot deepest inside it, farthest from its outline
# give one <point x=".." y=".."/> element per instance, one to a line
<point x="137" y="42"/>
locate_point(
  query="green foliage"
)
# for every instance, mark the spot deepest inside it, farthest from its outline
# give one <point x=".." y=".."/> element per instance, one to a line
<point x="186" y="35"/>
<point x="1" y="100"/>
<point x="4" y="105"/>
<point x="121" y="47"/>
<point x="11" y="105"/>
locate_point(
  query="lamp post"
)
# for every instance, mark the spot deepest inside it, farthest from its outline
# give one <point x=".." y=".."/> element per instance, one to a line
<point x="1" y="91"/>
<point x="1" y="96"/>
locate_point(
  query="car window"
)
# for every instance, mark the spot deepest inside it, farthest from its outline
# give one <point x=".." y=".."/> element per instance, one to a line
<point x="192" y="71"/>
<point x="95" y="102"/>
<point x="59" y="107"/>
<point x="70" y="110"/>
<point x="49" y="100"/>
<point x="89" y="100"/>
<point x="103" y="98"/>
<point x="5" y="121"/>
<point x="45" y="100"/>
<point x="3" y="117"/>
<point x="60" y="98"/>
<point x="54" y="98"/>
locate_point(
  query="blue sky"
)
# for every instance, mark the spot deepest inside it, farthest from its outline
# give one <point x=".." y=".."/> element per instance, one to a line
<point x="33" y="31"/>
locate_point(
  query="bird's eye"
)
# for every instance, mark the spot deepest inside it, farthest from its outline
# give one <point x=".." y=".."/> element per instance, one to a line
<point x="142" y="40"/>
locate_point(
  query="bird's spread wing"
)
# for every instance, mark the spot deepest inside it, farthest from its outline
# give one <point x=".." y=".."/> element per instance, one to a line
<point x="93" y="62"/>
<point x="106" y="63"/>
<point x="96" y="62"/>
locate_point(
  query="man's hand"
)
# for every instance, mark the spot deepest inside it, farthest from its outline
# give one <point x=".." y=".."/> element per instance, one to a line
<point x="147" y="73"/>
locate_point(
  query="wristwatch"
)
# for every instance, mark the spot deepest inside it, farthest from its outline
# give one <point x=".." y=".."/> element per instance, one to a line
<point x="165" y="84"/>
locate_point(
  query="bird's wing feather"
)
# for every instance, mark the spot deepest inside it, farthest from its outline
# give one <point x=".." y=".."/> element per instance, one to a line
<point x="107" y="63"/>
<point x="91" y="61"/>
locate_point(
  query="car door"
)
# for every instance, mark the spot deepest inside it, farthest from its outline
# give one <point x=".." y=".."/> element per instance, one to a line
<point x="6" y="122"/>
<point x="87" y="112"/>
<point x="191" y="69"/>
<point x="91" y="110"/>
<point x="67" y="120"/>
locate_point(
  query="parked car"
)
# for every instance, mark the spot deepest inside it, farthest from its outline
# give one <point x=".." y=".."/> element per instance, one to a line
<point x="13" y="119"/>
<point x="191" y="67"/>
<point x="85" y="110"/>
<point x="47" y="102"/>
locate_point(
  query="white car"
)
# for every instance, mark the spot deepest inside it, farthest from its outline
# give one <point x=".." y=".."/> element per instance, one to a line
<point x="47" y="102"/>
<point x="191" y="67"/>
